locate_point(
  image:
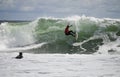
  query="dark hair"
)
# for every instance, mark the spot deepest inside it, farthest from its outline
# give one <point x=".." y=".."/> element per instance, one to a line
<point x="20" y="53"/>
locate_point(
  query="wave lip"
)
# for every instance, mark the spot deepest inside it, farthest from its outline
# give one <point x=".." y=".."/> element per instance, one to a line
<point x="94" y="34"/>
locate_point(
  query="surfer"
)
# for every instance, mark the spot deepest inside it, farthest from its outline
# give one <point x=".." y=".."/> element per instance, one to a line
<point x="69" y="32"/>
<point x="20" y="56"/>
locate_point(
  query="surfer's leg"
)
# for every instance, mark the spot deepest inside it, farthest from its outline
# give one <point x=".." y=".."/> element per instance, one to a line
<point x="72" y="33"/>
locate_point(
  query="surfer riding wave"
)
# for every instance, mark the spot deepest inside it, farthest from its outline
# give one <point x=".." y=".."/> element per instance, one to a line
<point x="69" y="32"/>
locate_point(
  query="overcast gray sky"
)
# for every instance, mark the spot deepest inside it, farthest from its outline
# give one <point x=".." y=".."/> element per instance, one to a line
<point x="32" y="9"/>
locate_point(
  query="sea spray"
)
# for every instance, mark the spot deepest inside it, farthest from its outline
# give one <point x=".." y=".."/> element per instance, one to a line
<point x="14" y="35"/>
<point x="94" y="35"/>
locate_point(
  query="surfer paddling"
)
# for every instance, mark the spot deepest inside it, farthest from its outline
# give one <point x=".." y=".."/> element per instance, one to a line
<point x="69" y="32"/>
<point x="20" y="56"/>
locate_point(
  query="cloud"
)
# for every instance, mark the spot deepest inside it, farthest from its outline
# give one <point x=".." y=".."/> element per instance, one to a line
<point x="7" y="4"/>
<point x="60" y="8"/>
<point x="27" y="8"/>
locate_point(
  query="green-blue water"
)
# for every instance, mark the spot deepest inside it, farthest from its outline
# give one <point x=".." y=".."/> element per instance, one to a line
<point x="93" y="34"/>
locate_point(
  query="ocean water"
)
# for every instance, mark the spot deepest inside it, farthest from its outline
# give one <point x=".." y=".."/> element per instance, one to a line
<point x="59" y="65"/>
<point x="49" y="52"/>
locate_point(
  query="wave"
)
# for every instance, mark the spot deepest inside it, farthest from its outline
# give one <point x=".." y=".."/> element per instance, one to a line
<point x="95" y="35"/>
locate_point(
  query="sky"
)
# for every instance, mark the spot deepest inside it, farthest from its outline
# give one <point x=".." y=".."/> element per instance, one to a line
<point x="32" y="9"/>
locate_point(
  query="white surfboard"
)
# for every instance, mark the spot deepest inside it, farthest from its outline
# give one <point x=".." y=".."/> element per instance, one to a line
<point x="76" y="35"/>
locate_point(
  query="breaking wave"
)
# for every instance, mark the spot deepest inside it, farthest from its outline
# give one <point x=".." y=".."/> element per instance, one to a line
<point x="46" y="35"/>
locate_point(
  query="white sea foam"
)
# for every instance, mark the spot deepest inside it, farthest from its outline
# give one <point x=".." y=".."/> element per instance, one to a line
<point x="59" y="65"/>
<point x="50" y="29"/>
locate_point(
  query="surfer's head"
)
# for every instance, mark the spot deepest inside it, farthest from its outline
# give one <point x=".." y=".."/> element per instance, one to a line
<point x="20" y="53"/>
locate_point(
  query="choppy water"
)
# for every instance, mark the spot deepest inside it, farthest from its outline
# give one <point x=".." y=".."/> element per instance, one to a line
<point x="46" y="35"/>
<point x="97" y="53"/>
<point x="59" y="65"/>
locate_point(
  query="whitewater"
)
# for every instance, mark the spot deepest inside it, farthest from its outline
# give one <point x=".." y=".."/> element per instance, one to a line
<point x="47" y="51"/>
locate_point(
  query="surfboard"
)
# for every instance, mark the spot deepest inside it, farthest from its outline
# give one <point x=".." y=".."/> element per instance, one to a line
<point x="76" y="36"/>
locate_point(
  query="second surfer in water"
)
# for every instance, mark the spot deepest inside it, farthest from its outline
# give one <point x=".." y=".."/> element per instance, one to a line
<point x="69" y="32"/>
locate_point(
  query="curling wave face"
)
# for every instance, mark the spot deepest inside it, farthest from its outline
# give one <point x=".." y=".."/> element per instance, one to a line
<point x="46" y="35"/>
